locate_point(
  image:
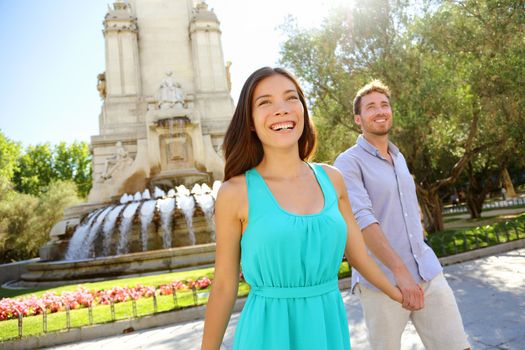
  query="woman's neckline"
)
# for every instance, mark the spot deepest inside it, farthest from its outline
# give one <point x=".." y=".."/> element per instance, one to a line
<point x="276" y="203"/>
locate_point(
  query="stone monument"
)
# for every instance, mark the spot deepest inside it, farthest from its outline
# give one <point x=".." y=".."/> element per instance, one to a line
<point x="166" y="105"/>
<point x="166" y="100"/>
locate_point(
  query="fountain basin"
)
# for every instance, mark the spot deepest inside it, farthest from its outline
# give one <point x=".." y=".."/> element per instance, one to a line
<point x="57" y="273"/>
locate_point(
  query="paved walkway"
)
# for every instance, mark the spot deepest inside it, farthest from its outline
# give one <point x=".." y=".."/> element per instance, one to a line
<point x="490" y="293"/>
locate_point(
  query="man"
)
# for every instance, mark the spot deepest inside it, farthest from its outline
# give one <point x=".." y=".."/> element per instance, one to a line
<point x="383" y="196"/>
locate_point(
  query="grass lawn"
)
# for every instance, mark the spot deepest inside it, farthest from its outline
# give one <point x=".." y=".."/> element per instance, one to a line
<point x="460" y="221"/>
<point x="446" y="220"/>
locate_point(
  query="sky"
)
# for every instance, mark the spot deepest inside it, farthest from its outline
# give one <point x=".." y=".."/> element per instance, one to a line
<point x="52" y="51"/>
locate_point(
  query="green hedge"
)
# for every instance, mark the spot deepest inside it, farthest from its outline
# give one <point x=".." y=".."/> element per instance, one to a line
<point x="452" y="242"/>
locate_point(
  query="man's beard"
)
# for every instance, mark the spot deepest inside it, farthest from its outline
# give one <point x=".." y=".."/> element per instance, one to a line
<point x="381" y="133"/>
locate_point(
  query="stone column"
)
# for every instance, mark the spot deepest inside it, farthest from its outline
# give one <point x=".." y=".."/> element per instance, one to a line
<point x="205" y="35"/>
<point x="122" y="58"/>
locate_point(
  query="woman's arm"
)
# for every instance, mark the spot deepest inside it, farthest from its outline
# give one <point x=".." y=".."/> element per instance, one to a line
<point x="355" y="249"/>
<point x="228" y="228"/>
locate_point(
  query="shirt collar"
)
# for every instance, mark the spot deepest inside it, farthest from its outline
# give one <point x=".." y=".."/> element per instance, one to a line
<point x="367" y="146"/>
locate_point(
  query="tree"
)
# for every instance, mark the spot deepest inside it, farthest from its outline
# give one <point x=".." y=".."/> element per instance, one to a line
<point x="439" y="104"/>
<point x="45" y="180"/>
<point x="488" y="36"/>
<point x="73" y="162"/>
<point x="35" y="170"/>
<point x="16" y="221"/>
<point x="42" y="164"/>
<point x="49" y="211"/>
<point x="376" y="42"/>
<point x="483" y="178"/>
<point x="26" y="220"/>
<point x="9" y="153"/>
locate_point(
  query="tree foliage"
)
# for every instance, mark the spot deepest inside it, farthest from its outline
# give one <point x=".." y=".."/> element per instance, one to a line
<point x="9" y="153"/>
<point x="488" y="36"/>
<point x="455" y="69"/>
<point x="26" y="220"/>
<point x="73" y="162"/>
<point x="36" y="185"/>
<point x="42" y="164"/>
<point x="35" y="170"/>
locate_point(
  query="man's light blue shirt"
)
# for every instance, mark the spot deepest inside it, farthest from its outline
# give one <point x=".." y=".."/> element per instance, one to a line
<point x="383" y="193"/>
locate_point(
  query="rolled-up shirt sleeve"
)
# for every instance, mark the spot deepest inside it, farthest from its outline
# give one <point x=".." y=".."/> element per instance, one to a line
<point x="357" y="193"/>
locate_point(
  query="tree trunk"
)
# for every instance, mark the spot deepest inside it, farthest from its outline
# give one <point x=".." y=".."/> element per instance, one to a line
<point x="507" y="183"/>
<point x="475" y="195"/>
<point x="432" y="209"/>
<point x="429" y="193"/>
<point x="437" y="213"/>
<point x="474" y="203"/>
<point x="477" y="190"/>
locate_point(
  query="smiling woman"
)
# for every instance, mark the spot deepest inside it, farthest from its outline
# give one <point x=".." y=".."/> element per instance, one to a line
<point x="278" y="112"/>
<point x="292" y="222"/>
<point x="282" y="110"/>
<point x="243" y="142"/>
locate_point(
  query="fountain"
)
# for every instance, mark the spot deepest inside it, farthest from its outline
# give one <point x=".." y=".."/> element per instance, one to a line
<point x="110" y="231"/>
<point x="166" y="106"/>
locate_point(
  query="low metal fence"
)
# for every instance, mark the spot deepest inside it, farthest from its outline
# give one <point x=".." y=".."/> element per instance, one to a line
<point x="462" y="208"/>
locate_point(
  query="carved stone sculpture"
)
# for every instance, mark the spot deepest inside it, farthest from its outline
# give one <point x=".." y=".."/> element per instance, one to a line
<point x="101" y="85"/>
<point x="118" y="161"/>
<point x="228" y="75"/>
<point x="170" y="93"/>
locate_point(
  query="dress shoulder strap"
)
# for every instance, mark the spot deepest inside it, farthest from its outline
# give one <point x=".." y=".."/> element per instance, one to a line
<point x="258" y="200"/>
<point x="326" y="184"/>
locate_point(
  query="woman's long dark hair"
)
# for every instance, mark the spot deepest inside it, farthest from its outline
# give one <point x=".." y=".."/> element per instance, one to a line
<point x="242" y="148"/>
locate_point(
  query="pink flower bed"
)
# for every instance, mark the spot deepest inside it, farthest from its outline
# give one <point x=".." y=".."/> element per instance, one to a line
<point x="32" y="305"/>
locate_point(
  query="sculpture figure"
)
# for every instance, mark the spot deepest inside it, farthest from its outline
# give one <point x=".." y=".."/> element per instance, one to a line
<point x="101" y="85"/>
<point x="170" y="92"/>
<point x="228" y="75"/>
<point x="117" y="161"/>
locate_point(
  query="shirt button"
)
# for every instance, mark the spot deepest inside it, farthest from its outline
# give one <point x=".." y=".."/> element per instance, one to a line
<point x="406" y="214"/>
<point x="410" y="235"/>
<point x="415" y="256"/>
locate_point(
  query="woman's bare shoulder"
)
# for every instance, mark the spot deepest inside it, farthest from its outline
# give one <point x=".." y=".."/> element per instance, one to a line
<point x="233" y="184"/>
<point x="333" y="172"/>
<point x="330" y="169"/>
<point x="335" y="176"/>
<point x="233" y="191"/>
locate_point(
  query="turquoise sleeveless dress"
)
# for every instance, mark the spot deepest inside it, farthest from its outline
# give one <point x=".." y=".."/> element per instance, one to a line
<point x="291" y="262"/>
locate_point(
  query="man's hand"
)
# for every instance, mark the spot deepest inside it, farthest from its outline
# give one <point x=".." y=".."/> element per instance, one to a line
<point x="377" y="243"/>
<point x="413" y="297"/>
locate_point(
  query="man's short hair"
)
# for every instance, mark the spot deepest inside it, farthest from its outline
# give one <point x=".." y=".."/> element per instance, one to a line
<point x="373" y="86"/>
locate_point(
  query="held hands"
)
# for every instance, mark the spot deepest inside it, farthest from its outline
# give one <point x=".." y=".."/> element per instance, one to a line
<point x="412" y="294"/>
